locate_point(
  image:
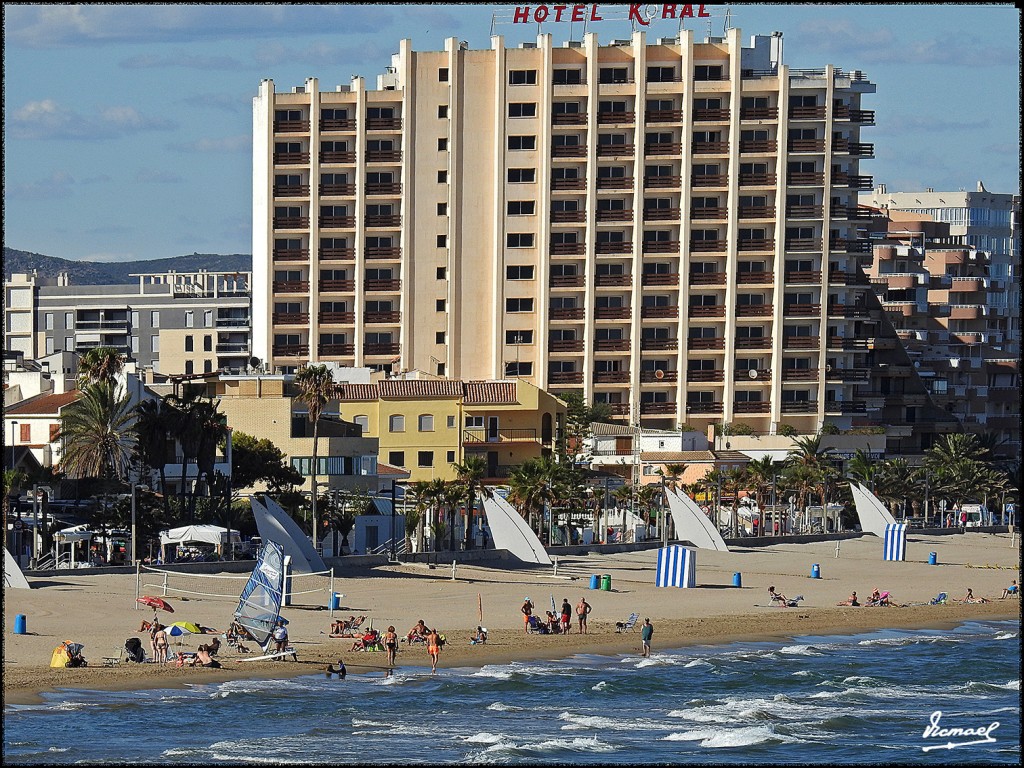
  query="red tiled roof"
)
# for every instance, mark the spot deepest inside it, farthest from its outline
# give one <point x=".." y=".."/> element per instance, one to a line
<point x="357" y="392"/>
<point x="420" y="388"/>
<point x="388" y="469"/>
<point x="42" y="405"/>
<point x="678" y="457"/>
<point x="490" y="393"/>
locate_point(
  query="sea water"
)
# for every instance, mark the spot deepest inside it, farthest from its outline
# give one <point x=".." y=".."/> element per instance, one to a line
<point x="862" y="698"/>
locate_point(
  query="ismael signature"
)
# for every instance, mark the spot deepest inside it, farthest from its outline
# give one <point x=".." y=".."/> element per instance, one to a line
<point x="982" y="734"/>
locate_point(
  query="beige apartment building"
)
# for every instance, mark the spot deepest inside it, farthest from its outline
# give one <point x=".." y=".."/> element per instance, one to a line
<point x="668" y="226"/>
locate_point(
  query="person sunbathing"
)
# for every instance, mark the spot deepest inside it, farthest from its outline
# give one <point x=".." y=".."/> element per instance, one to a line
<point x="1011" y="590"/>
<point x="970" y="598"/>
<point x="204" y="659"/>
<point x="851" y="601"/>
<point x="366" y="641"/>
<point x="776" y="597"/>
<point x="340" y="625"/>
<point x="418" y="634"/>
<point x="214" y="646"/>
<point x="875" y="596"/>
<point x="479" y="638"/>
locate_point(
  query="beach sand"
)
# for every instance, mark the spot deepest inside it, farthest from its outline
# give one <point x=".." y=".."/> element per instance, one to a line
<point x="99" y="610"/>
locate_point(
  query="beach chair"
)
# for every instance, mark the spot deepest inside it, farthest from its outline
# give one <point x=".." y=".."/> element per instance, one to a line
<point x="628" y="624"/>
<point x="538" y="627"/>
<point x="939" y="599"/>
<point x="352" y="630"/>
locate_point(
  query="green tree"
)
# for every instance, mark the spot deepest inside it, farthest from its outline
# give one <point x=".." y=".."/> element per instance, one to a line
<point x="315" y="385"/>
<point x="99" y="364"/>
<point x="152" y="430"/>
<point x="471" y="473"/>
<point x="258" y="461"/>
<point x="98" y="435"/>
<point x="531" y="487"/>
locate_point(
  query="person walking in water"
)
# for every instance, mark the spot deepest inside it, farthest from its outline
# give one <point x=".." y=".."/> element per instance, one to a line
<point x="433" y="648"/>
<point x="582" y="610"/>
<point x="646" y="633"/>
<point x="391" y="645"/>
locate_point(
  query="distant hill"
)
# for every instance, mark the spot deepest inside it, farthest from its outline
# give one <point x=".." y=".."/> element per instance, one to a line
<point x="114" y="273"/>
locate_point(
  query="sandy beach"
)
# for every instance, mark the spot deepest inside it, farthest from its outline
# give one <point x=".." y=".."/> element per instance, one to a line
<point x="99" y="610"/>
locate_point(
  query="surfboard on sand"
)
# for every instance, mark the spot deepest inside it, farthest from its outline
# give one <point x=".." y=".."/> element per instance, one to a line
<point x="289" y="652"/>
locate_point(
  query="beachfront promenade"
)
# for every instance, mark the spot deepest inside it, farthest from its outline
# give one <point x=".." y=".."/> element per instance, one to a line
<point x="97" y="609"/>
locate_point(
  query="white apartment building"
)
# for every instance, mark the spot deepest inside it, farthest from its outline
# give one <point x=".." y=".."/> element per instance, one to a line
<point x="669" y="226"/>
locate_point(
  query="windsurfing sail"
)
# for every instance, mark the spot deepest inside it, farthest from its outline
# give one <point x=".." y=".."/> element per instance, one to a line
<point x="509" y="531"/>
<point x="692" y="524"/>
<point x="274" y="524"/>
<point x="873" y="515"/>
<point x="259" y="605"/>
<point x="13" y="577"/>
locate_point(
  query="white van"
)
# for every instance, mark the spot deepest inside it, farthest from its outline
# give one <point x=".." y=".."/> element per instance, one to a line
<point x="976" y="515"/>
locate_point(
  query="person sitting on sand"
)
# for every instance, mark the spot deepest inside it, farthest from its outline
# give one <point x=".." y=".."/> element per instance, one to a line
<point x="553" y="622"/>
<point x="1010" y="590"/>
<point x="479" y="638"/>
<point x="204" y="658"/>
<point x="214" y="646"/>
<point x="776" y="597"/>
<point x="970" y="598"/>
<point x="418" y="633"/>
<point x="851" y="601"/>
<point x="875" y="596"/>
<point x="340" y="625"/>
<point x="368" y="640"/>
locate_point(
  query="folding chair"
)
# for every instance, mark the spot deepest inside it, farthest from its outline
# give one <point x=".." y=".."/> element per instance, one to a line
<point x="628" y="624"/>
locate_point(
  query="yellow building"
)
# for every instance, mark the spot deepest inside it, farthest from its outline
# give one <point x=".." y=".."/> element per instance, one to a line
<point x="425" y="425"/>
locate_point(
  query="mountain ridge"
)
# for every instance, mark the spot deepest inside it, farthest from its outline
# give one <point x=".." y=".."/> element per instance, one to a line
<point x="118" y="273"/>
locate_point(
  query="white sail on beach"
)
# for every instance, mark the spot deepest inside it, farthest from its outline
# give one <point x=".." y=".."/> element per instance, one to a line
<point x="871" y="511"/>
<point x="692" y="524"/>
<point x="259" y="605"/>
<point x="510" y="532"/>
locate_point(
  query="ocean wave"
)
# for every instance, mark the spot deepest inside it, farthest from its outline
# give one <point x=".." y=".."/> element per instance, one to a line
<point x="575" y="744"/>
<point x="801" y="650"/>
<point x="697" y="663"/>
<point x="802" y="673"/>
<point x="484" y="738"/>
<point x="577" y="722"/>
<point x="718" y="738"/>
<point x="498" y="673"/>
<point x="499" y="707"/>
<point x="1005" y="636"/>
<point x="780" y="707"/>
<point x="600" y="686"/>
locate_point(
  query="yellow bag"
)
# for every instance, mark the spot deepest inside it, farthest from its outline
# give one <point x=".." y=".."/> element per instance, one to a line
<point x="61" y="656"/>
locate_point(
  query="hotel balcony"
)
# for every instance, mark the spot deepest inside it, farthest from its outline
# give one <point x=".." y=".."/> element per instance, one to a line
<point x="804" y="244"/>
<point x="707" y="246"/>
<point x="567" y="249"/>
<point x="710" y="147"/>
<point x="711" y="115"/>
<point x="291" y="158"/>
<point x="720" y="212"/>
<point x="847" y="344"/>
<point x="662" y="214"/>
<point x="232" y="322"/>
<point x="806" y="145"/>
<point x="381" y="349"/>
<point x="848" y="375"/>
<point x="966" y="311"/>
<point x="801" y="310"/>
<point x="384" y="156"/>
<point x="758" y="147"/>
<point x="565" y="217"/>
<point x="567" y="281"/>
<point x="800" y="342"/>
<point x="484" y="435"/>
<point x="616" y="118"/>
<point x="804" y="211"/>
<point x="392" y="220"/>
<point x="567" y="313"/>
<point x="802" y="277"/>
<point x="392" y="252"/>
<point x="756" y="245"/>
<point x="615" y="182"/>
<point x="569" y="118"/>
<point x="759" y="113"/>
<point x="615" y="215"/>
<point x="604" y="281"/>
<point x="800" y="374"/>
<point x="290" y="350"/>
<point x="615" y="150"/>
<point x="388" y="286"/>
<point x="393" y="188"/>
<point x="798" y="179"/>
<point x="232" y="348"/>
<point x="569" y="150"/>
<point x="567" y="184"/>
<point x="748" y="342"/>
<point x="710" y="344"/>
<point x="611" y="377"/>
<point x="755" y="278"/>
<point x="705" y="376"/>
<point x="852" y="181"/>
<point x="612" y="313"/>
<point x="292" y="222"/>
<point x="664" y="116"/>
<point x="653" y="408"/>
<point x="845" y="406"/>
<point x="699" y="408"/>
<point x="754" y="310"/>
<point x="291" y="286"/>
<point x="847" y="310"/>
<point x="853" y="213"/>
<point x="337" y="318"/>
<point x="335" y="350"/>
<point x="563" y="345"/>
<point x="707" y="278"/>
<point x="292" y="190"/>
<point x="857" y="245"/>
<point x="376" y="318"/>
<point x="615" y="247"/>
<point x="756" y="179"/>
<point x="291" y="126"/>
<point x="337" y="222"/>
<point x="291" y="254"/>
<point x="710" y="180"/>
<point x="384" y="124"/>
<point x="663" y="182"/>
<point x="333" y="158"/>
<point x="807" y="113"/>
<point x="337" y="254"/>
<point x="290" y="318"/>
<point x="566" y="377"/>
<point x="758" y="212"/>
<point x="671" y="278"/>
<point x="660" y="246"/>
<point x="337" y="124"/>
<point x="652" y="377"/>
<point x="800" y="406"/>
<point x="659" y="344"/>
<point x="743" y="374"/>
<point x="751" y="406"/>
<point x="707" y="311"/>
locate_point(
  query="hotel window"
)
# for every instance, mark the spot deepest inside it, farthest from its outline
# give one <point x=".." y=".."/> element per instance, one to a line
<point x="69" y="320"/>
<point x="521" y="207"/>
<point x="611" y="139"/>
<point x="396" y="423"/>
<point x="69" y="344"/>
<point x="519" y="240"/>
<point x="522" y="142"/>
<point x="661" y="74"/>
<point x="26" y="433"/>
<point x="426" y="423"/>
<point x="442" y="177"/>
<point x="522" y="77"/>
<point x="606" y="107"/>
<point x="561" y="366"/>
<point x="450" y="422"/>
<point x="442" y="111"/>
<point x="49" y="345"/>
<point x="396" y="458"/>
<point x="154" y="344"/>
<point x="442" y="75"/>
<point x="189" y="368"/>
<point x="566" y="108"/>
<point x="519" y="272"/>
<point x="188" y="344"/>
<point x="564" y="238"/>
<point x="522" y="175"/>
<point x="442" y="145"/>
<point x="707" y="72"/>
<point x="425" y="458"/>
<point x="522" y="109"/>
<point x="450" y="457"/>
<point x="207" y="366"/>
<point x="442" y="209"/>
<point x="442" y="273"/>
<point x="189" y="319"/>
<point x="442" y="241"/>
<point x="133" y="344"/>
<point x="48" y="321"/>
<point x="803" y="101"/>
<point x="207" y="343"/>
<point x="613" y="75"/>
<point x="707" y="103"/>
<point x="567" y="77"/>
<point x="611" y="172"/>
<point x="519" y="305"/>
<point x="514" y="338"/>
<point x="474" y="422"/>
<point x="439" y="305"/>
<point x="518" y="369"/>
<point x="439" y="337"/>
<point x="208" y="318"/>
<point x="363" y="422"/>
<point x="564" y="334"/>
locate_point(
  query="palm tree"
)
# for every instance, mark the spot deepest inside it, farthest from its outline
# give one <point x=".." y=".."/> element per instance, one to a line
<point x="315" y="384"/>
<point x="863" y="468"/>
<point x="531" y="487"/>
<point x="895" y="481"/>
<point x="470" y="472"/>
<point x="213" y="430"/>
<point x="452" y="497"/>
<point x="13" y="481"/>
<point x="956" y="463"/>
<point x="99" y="364"/>
<point x="761" y="474"/>
<point x="421" y="494"/>
<point x="184" y="428"/>
<point x="97" y="434"/>
<point x="152" y="429"/>
<point x="734" y="480"/>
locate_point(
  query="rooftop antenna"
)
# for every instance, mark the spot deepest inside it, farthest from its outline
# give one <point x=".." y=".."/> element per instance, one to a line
<point x="728" y="21"/>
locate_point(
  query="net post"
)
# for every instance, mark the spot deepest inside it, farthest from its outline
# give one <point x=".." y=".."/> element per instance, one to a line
<point x="287" y="597"/>
<point x="138" y="582"/>
<point x="330" y="594"/>
<point x="165" y="584"/>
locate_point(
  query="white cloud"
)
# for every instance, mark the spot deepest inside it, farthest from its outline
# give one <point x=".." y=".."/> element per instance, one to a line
<point x="46" y="119"/>
<point x="57" y="185"/>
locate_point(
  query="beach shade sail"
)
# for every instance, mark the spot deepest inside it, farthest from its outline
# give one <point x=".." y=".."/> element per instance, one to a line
<point x="677" y="567"/>
<point x="156" y="603"/>
<point x="895" y="547"/>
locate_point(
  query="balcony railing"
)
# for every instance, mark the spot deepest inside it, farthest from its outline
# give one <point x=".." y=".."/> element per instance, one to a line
<point x="392" y="220"/>
<point x="800" y="342"/>
<point x="710" y="147"/>
<point x="662" y="214"/>
<point x="566" y="345"/>
<point x="291" y="158"/>
<point x="709" y="213"/>
<point x="750" y="406"/>
<point x="291" y="286"/>
<point x="703" y="407"/>
<point x="755" y="278"/>
<point x="671" y="278"/>
<point x="617" y="281"/>
<point x="663" y="148"/>
<point x="705" y="376"/>
<point x="566" y="377"/>
<point x="615" y="247"/>
<point x="660" y="246"/>
<point x="803" y="244"/>
<point x="662" y="182"/>
<point x="566" y="313"/>
<point x="392" y="188"/>
<point x="612" y="313"/>
<point x="291" y="318"/>
<point x="800" y="406"/>
<point x="659" y="312"/>
<point x="383" y="285"/>
<point x="711" y="114"/>
<point x="337" y="254"/>
<point x="806" y="145"/>
<point x="291" y="190"/>
<point x="652" y="408"/>
<point x="564" y="184"/>
<point x="290" y="350"/>
<point x="801" y="310"/>
<point x="759" y="113"/>
<point x="612" y="118"/>
<point x="291" y="254"/>
<point x="382" y="349"/>
<point x="707" y="311"/>
<point x="566" y="249"/>
<point x="761" y="146"/>
<point x="800" y="178"/>
<point x="652" y="377"/>
<point x="663" y="115"/>
<point x="337" y="222"/>
<point x="383" y="123"/>
<point x="710" y="180"/>
<point x="757" y="212"/>
<point x="569" y="118"/>
<point x="623" y="182"/>
<point x="753" y="342"/>
<point x="484" y="435"/>
<point x="707" y="246"/>
<point x="848" y="310"/>
<point x="567" y="281"/>
<point x="743" y="374"/>
<point x="291" y="222"/>
<point x="383" y="317"/>
<point x="337" y="157"/>
<point x="659" y="344"/>
<point x="334" y="350"/>
<point x="384" y="156"/>
<point x="807" y="113"/>
<point x="232" y="322"/>
<point x="614" y="150"/>
<point x="611" y="377"/>
<point x="291" y="126"/>
<point x="800" y="374"/>
<point x="705" y="344"/>
<point x="232" y="348"/>
<point x="332" y="124"/>
<point x="754" y="310"/>
<point x="707" y="278"/>
<point x="755" y="244"/>
<point x="804" y="211"/>
<point x="569" y="150"/>
<point x="757" y="179"/>
<point x="799" y="277"/>
<point x="615" y="215"/>
<point x="337" y="318"/>
<point x="336" y="190"/>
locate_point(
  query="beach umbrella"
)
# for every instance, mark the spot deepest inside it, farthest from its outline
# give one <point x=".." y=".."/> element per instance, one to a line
<point x="181" y="627"/>
<point x="156" y="603"/>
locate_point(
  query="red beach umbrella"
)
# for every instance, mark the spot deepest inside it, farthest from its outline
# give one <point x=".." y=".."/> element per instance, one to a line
<point x="156" y="603"/>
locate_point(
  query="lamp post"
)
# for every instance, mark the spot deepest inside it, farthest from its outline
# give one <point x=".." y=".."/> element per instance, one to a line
<point x="926" y="479"/>
<point x="135" y="486"/>
<point x="394" y="547"/>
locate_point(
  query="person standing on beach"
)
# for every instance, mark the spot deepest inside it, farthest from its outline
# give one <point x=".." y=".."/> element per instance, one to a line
<point x="280" y="637"/>
<point x="160" y="643"/>
<point x="582" y="610"/>
<point x="646" y="633"/>
<point x="566" y="616"/>
<point x="527" y="610"/>
<point x="391" y="645"/>
<point x="433" y="648"/>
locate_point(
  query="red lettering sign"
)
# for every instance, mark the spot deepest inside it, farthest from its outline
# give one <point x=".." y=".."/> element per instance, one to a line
<point x="558" y="12"/>
<point x="541" y="14"/>
<point x="577" y="12"/>
<point x="593" y="14"/>
<point x="702" y="13"/>
<point x="638" y="13"/>
<point x="522" y="15"/>
<point x="668" y="11"/>
<point x="634" y="15"/>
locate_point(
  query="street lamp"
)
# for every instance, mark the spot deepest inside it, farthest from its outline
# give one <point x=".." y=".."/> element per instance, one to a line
<point x="135" y="486"/>
<point x="394" y="547"/>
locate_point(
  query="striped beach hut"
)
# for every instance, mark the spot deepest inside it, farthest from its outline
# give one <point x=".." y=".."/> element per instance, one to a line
<point x="677" y="567"/>
<point x="895" y="542"/>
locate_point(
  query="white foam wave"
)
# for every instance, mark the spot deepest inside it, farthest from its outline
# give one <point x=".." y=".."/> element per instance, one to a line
<point x="579" y="722"/>
<point x="600" y="686"/>
<point x="484" y="738"/>
<point x="717" y="738"/>
<point x="802" y="673"/>
<point x="498" y="673"/>
<point x="697" y="663"/>
<point x="800" y="650"/>
<point x="1005" y="636"/>
<point x="728" y="711"/>
<point x="59" y="749"/>
<point x="575" y="744"/>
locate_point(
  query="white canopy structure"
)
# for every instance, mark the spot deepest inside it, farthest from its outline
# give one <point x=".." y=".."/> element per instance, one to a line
<point x="510" y="532"/>
<point x="274" y="524"/>
<point x="206" y="534"/>
<point x="872" y="512"/>
<point x="692" y="524"/>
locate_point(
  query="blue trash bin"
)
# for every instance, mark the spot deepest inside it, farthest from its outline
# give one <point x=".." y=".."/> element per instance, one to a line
<point x="933" y="558"/>
<point x="815" y="571"/>
<point x="335" y="601"/>
<point x="737" y="580"/>
<point x="19" y="625"/>
<point x="595" y="581"/>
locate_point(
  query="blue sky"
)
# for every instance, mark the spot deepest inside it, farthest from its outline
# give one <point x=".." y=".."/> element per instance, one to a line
<point x="127" y="129"/>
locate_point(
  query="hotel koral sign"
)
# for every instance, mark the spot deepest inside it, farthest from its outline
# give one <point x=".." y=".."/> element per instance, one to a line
<point x="640" y="13"/>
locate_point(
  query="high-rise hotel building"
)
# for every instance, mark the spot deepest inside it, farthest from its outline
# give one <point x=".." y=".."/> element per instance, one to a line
<point x="670" y="227"/>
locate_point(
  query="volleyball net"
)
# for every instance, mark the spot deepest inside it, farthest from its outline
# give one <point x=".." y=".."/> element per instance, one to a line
<point x="300" y="589"/>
